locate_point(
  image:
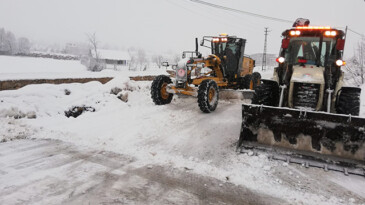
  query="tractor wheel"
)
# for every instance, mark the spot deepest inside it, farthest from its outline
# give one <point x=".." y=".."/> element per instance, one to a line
<point x="255" y="80"/>
<point x="208" y="95"/>
<point x="245" y="81"/>
<point x="159" y="94"/>
<point x="266" y="93"/>
<point x="348" y="101"/>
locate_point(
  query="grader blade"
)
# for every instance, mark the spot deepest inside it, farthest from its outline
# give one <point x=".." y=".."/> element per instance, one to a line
<point x="330" y="141"/>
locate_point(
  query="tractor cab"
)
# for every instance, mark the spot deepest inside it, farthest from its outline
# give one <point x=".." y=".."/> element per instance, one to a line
<point x="230" y="51"/>
<point x="319" y="46"/>
<point x="306" y="47"/>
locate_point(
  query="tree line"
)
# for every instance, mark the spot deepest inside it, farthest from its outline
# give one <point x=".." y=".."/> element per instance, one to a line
<point x="139" y="59"/>
<point x="10" y="44"/>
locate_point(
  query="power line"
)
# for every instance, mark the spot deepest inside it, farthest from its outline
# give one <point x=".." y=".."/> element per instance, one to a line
<point x="362" y="35"/>
<point x="240" y="11"/>
<point x="254" y="14"/>
<point x="247" y="24"/>
<point x="203" y="14"/>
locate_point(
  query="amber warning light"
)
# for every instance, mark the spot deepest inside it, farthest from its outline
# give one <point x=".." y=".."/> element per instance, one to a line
<point x="313" y="27"/>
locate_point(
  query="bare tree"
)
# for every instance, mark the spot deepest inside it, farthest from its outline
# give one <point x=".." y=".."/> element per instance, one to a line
<point x="2" y="39"/>
<point x="356" y="65"/>
<point x="158" y="60"/>
<point x="177" y="58"/>
<point x="142" y="59"/>
<point x="10" y="42"/>
<point x="361" y="59"/>
<point x="94" y="44"/>
<point x="23" y="45"/>
<point x="132" y="62"/>
<point x="95" y="64"/>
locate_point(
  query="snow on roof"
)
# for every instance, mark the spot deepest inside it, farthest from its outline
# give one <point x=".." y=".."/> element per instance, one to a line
<point x="112" y="54"/>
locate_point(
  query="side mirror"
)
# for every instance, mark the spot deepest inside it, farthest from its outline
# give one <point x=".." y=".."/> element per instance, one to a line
<point x="202" y="42"/>
<point x="340" y="44"/>
<point x="165" y="64"/>
<point x="285" y="43"/>
<point x="183" y="55"/>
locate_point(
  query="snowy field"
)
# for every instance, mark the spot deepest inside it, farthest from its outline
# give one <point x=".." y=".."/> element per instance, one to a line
<point x="177" y="135"/>
<point x="16" y="68"/>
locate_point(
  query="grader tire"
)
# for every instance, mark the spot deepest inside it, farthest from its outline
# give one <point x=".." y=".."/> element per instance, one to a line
<point x="208" y="96"/>
<point x="158" y="90"/>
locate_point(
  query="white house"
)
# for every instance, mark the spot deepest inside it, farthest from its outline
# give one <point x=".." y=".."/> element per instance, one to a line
<point x="113" y="59"/>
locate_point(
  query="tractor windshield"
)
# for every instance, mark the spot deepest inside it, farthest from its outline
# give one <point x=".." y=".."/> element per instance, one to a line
<point x="311" y="50"/>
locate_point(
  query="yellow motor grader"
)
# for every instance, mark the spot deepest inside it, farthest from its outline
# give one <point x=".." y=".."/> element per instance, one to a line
<point x="226" y="68"/>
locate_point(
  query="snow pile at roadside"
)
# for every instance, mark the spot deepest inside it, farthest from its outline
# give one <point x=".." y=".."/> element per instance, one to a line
<point x="49" y="100"/>
<point x="177" y="134"/>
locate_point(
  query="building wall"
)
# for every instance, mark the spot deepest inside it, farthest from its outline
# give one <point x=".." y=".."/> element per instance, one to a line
<point x="115" y="64"/>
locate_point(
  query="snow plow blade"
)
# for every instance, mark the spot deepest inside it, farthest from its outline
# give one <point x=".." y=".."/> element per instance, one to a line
<point x="319" y="139"/>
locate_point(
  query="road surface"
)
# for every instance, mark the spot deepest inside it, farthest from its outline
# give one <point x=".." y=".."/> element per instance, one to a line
<point x="55" y="172"/>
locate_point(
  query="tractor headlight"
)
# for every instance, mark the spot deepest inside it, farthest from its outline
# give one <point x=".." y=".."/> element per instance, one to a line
<point x="340" y="62"/>
<point x="280" y="60"/>
<point x="294" y="33"/>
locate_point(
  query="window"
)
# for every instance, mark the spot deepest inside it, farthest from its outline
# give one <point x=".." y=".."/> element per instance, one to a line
<point x="308" y="48"/>
<point x="121" y="62"/>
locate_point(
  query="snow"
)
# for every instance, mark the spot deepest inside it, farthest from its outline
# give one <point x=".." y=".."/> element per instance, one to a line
<point x="112" y="54"/>
<point x="177" y="134"/>
<point x="14" y="68"/>
<point x="265" y="74"/>
<point x="20" y="68"/>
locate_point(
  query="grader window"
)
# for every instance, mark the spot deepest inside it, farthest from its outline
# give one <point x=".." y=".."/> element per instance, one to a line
<point x="232" y="47"/>
<point x="218" y="48"/>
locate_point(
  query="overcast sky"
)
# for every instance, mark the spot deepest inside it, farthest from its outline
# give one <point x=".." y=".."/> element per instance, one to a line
<point x="172" y="25"/>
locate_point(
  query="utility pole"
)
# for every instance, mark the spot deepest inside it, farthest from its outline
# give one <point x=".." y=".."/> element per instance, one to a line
<point x="265" y="49"/>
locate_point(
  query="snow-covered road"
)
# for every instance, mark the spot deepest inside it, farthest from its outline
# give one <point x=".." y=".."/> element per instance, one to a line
<point x="55" y="172"/>
<point x="176" y="137"/>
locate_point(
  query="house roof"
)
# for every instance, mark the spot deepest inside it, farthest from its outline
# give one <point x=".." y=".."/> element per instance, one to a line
<point x="112" y="54"/>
